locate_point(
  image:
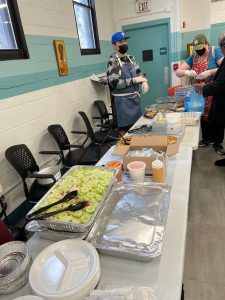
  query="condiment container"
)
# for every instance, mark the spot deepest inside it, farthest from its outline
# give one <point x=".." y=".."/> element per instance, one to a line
<point x="116" y="165"/>
<point x="158" y="171"/>
<point x="137" y="170"/>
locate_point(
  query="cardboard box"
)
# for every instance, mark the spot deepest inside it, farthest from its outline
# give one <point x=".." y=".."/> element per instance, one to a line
<point x="156" y="142"/>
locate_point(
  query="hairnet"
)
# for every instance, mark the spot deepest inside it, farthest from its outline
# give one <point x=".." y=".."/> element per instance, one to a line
<point x="221" y="40"/>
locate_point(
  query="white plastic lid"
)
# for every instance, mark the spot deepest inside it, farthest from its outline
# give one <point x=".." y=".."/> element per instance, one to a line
<point x="68" y="269"/>
<point x="157" y="164"/>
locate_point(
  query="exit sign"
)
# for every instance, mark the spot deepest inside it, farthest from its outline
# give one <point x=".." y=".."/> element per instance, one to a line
<point x="142" y="6"/>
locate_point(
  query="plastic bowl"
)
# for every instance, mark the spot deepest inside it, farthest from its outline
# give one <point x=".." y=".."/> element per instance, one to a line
<point x="15" y="263"/>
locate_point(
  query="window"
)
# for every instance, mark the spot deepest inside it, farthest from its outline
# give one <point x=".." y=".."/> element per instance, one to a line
<point x="12" y="40"/>
<point x="85" y="17"/>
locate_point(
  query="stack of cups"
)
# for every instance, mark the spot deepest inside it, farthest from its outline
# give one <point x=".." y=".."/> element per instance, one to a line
<point x="158" y="171"/>
<point x="137" y="170"/>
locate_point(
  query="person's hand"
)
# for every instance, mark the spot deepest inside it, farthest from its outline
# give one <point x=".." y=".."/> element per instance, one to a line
<point x="203" y="75"/>
<point x="144" y="87"/>
<point x="139" y="79"/>
<point x="200" y="86"/>
<point x="190" y="73"/>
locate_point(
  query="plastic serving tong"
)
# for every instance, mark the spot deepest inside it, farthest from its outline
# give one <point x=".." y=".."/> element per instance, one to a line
<point x="72" y="207"/>
<point x="66" y="198"/>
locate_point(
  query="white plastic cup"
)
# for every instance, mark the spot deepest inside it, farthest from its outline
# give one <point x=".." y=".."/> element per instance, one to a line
<point x="158" y="171"/>
<point x="137" y="170"/>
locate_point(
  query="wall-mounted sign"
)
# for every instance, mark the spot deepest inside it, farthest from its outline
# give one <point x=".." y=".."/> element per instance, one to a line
<point x="163" y="51"/>
<point x="142" y="6"/>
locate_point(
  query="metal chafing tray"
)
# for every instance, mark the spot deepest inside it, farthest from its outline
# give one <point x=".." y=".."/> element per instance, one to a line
<point x="132" y="222"/>
<point x="70" y="226"/>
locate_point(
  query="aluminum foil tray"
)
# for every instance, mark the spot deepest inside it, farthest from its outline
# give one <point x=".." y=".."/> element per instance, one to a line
<point x="53" y="235"/>
<point x="132" y="223"/>
<point x="170" y="99"/>
<point x="70" y="226"/>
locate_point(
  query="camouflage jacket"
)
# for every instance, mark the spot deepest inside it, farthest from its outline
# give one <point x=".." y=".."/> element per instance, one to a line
<point x="114" y="72"/>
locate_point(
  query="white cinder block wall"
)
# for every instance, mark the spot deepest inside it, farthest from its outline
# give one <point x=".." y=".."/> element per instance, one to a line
<point x="25" y="118"/>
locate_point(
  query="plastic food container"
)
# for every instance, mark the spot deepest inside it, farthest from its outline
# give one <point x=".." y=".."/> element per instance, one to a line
<point x="173" y="118"/>
<point x="137" y="170"/>
<point x="66" y="270"/>
<point x="116" y="165"/>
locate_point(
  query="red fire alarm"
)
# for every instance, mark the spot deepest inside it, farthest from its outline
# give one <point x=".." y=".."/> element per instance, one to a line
<point x="175" y="67"/>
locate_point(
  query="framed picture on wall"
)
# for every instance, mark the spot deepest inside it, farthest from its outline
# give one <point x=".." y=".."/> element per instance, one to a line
<point x="60" y="53"/>
<point x="190" y="49"/>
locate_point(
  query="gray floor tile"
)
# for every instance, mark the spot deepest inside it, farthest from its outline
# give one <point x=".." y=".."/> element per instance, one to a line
<point x="207" y="206"/>
<point x="195" y="290"/>
<point x="205" y="253"/>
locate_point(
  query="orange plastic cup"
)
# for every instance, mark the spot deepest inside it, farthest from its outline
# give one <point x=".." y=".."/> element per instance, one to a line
<point x="116" y="165"/>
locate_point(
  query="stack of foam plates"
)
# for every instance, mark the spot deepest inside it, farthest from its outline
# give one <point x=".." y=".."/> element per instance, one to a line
<point x="67" y="270"/>
<point x="15" y="262"/>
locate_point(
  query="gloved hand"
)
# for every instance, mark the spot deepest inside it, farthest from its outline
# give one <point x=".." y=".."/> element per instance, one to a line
<point x="190" y="73"/>
<point x="139" y="79"/>
<point x="203" y="75"/>
<point x="144" y="87"/>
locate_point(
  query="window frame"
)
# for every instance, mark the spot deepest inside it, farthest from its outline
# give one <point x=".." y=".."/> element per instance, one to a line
<point x="91" y="6"/>
<point x="22" y="51"/>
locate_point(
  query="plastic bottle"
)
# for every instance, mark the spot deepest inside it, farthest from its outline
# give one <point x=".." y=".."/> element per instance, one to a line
<point x="158" y="171"/>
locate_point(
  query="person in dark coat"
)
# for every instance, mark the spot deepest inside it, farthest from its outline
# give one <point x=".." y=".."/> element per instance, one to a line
<point x="216" y="89"/>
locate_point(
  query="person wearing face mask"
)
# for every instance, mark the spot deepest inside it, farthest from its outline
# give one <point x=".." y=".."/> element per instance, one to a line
<point x="216" y="89"/>
<point x="124" y="78"/>
<point x="201" y="67"/>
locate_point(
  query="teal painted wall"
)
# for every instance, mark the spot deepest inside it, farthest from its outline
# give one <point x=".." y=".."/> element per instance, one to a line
<point x="216" y="29"/>
<point x="40" y="71"/>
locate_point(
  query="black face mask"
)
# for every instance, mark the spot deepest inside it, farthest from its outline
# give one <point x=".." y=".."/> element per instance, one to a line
<point x="123" y="49"/>
<point x="201" y="52"/>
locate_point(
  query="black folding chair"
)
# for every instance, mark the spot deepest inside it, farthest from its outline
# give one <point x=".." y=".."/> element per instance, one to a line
<point x="21" y="158"/>
<point x="82" y="155"/>
<point x="101" y="137"/>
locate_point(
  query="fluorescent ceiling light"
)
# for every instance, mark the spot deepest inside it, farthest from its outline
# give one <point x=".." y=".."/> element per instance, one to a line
<point x="2" y="6"/>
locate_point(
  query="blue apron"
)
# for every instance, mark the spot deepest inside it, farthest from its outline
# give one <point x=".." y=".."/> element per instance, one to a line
<point x="128" y="107"/>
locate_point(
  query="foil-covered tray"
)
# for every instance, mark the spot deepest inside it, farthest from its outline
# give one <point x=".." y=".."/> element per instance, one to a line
<point x="132" y="222"/>
<point x="71" y="226"/>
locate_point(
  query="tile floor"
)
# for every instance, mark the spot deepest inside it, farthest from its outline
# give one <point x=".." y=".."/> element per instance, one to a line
<point x="204" y="270"/>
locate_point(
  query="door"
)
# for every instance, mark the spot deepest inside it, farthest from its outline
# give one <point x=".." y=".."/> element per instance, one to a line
<point x="149" y="45"/>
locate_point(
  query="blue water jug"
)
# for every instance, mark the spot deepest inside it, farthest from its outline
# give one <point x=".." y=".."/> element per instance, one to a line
<point x="194" y="102"/>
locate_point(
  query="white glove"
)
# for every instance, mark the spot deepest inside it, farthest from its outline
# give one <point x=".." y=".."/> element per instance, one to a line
<point x="139" y="79"/>
<point x="203" y="75"/>
<point x="144" y="87"/>
<point x="190" y="73"/>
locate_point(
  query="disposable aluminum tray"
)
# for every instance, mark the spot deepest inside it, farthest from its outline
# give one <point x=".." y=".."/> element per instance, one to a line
<point x="132" y="222"/>
<point x="53" y="235"/>
<point x="70" y="226"/>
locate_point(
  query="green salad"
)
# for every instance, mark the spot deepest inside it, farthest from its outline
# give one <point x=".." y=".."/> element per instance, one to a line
<point x="91" y="184"/>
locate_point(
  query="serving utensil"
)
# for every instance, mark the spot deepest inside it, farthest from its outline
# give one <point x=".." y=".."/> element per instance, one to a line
<point x="66" y="198"/>
<point x="72" y="207"/>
